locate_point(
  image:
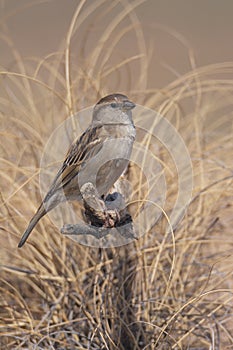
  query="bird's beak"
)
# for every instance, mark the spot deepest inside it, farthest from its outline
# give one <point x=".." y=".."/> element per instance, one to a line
<point x="128" y="105"/>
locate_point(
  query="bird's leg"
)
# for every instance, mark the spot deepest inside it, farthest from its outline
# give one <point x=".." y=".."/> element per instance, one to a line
<point x="112" y="217"/>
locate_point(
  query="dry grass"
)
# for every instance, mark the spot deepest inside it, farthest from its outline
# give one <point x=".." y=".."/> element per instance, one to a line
<point x="155" y="293"/>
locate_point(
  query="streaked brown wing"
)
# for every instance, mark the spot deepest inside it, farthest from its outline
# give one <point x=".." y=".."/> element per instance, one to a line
<point x="86" y="147"/>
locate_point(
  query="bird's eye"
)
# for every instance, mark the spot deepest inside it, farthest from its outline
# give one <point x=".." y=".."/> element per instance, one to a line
<point x="114" y="105"/>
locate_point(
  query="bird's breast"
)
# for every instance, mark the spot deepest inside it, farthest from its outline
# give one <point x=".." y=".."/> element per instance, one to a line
<point x="112" y="158"/>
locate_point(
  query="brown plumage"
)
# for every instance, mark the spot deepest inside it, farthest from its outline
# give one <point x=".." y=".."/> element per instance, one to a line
<point x="99" y="156"/>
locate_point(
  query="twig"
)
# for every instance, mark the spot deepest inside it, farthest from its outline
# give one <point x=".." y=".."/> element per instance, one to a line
<point x="102" y="215"/>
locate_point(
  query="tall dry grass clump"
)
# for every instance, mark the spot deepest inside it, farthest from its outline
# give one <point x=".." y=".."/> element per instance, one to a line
<point x="167" y="290"/>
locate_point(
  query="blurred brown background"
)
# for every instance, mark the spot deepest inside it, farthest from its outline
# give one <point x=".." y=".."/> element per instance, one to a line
<point x="168" y="55"/>
<point x="37" y="28"/>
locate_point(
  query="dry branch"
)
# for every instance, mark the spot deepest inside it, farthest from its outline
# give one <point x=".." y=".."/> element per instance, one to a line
<point x="102" y="215"/>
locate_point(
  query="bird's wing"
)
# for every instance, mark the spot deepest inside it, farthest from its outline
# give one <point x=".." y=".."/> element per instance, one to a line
<point x="86" y="147"/>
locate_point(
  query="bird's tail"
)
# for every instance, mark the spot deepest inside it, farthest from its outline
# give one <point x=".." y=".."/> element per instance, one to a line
<point x="38" y="215"/>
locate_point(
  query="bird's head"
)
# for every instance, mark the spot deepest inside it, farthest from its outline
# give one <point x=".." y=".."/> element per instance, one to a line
<point x="113" y="109"/>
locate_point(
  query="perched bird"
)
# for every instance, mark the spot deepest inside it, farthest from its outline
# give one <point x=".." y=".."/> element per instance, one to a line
<point x="99" y="156"/>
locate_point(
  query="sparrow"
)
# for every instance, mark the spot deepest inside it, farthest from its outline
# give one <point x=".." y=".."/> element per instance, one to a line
<point x="100" y="156"/>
